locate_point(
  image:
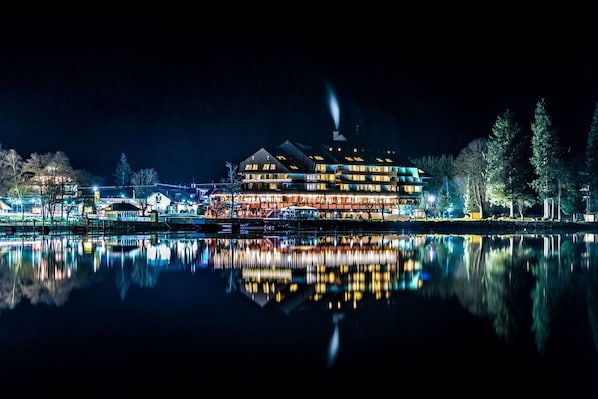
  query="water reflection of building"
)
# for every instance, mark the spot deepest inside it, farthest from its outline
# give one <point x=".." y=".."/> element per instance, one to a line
<point x="339" y="271"/>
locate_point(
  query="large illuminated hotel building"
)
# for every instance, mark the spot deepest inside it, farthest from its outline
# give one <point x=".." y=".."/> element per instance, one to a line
<point x="340" y="179"/>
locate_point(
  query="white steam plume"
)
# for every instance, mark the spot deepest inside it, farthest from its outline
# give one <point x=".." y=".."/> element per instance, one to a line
<point x="334" y="108"/>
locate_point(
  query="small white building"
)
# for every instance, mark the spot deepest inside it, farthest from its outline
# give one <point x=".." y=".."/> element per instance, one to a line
<point x="158" y="202"/>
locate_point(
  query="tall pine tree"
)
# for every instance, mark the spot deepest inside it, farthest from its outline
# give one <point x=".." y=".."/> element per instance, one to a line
<point x="545" y="157"/>
<point x="592" y="163"/>
<point x="123" y="172"/>
<point x="509" y="168"/>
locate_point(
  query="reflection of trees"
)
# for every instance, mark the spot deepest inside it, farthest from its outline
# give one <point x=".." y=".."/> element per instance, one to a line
<point x="592" y="302"/>
<point x="135" y="270"/>
<point x="469" y="288"/>
<point x="554" y="279"/>
<point x="442" y="258"/>
<point x="10" y="284"/>
<point x="123" y="281"/>
<point x="486" y="273"/>
<point x="48" y="280"/>
<point x="507" y="283"/>
<point x="589" y="261"/>
<point x="60" y="270"/>
<point x="457" y="268"/>
<point x="522" y="283"/>
<point x="144" y="275"/>
<point x="231" y="276"/>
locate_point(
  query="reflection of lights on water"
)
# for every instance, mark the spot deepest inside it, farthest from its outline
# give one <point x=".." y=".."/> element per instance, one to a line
<point x="405" y="245"/>
<point x="589" y="237"/>
<point x="158" y="255"/>
<point x="431" y="254"/>
<point x="450" y="246"/>
<point x="205" y="257"/>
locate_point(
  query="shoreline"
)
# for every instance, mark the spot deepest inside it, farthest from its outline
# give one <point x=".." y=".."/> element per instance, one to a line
<point x="269" y="226"/>
<point x="445" y="226"/>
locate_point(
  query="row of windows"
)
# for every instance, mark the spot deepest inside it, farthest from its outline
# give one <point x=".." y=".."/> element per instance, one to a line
<point x="308" y="199"/>
<point x="266" y="166"/>
<point x="276" y="186"/>
<point x="334" y="168"/>
<point x="355" y="168"/>
<point x="330" y="178"/>
<point x="316" y="187"/>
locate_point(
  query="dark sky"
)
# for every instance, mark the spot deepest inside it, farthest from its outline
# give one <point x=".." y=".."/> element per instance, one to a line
<point x="184" y="93"/>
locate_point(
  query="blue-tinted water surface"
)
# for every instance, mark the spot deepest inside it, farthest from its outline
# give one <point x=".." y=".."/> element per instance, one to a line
<point x="466" y="315"/>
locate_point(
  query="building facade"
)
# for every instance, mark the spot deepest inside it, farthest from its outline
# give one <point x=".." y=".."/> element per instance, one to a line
<point x="340" y="179"/>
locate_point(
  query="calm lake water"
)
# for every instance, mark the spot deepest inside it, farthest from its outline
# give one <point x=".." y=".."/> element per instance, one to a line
<point x="453" y="314"/>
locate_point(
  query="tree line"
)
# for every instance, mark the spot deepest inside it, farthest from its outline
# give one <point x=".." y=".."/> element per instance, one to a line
<point x="509" y="171"/>
<point x="52" y="181"/>
<point x="513" y="169"/>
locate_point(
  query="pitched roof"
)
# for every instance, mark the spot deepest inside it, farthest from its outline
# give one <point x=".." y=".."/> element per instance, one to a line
<point x="4" y="206"/>
<point x="300" y="157"/>
<point x="122" y="206"/>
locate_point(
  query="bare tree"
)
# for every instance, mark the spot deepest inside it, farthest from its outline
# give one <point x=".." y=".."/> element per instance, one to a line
<point x="144" y="182"/>
<point x="470" y="167"/>
<point x="51" y="176"/>
<point x="232" y="185"/>
<point x="64" y="187"/>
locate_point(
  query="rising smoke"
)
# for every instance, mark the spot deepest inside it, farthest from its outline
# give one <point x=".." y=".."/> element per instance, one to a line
<point x="333" y="106"/>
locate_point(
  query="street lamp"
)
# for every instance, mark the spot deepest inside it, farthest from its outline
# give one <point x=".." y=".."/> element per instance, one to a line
<point x="431" y="199"/>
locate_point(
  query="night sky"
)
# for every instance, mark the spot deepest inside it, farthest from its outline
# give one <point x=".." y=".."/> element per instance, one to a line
<point x="184" y="93"/>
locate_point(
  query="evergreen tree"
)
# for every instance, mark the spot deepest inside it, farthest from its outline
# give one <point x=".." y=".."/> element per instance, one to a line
<point x="545" y="157"/>
<point x="570" y="185"/>
<point x="592" y="163"/>
<point x="123" y="172"/>
<point x="509" y="168"/>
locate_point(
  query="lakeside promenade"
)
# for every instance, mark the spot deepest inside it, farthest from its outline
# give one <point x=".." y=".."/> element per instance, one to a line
<point x="270" y="226"/>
